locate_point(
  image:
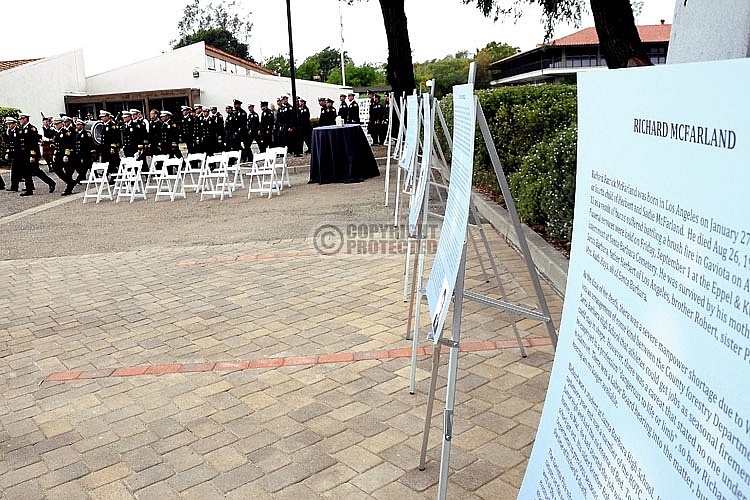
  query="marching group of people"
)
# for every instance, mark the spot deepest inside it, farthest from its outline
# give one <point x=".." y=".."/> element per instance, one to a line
<point x="70" y="147"/>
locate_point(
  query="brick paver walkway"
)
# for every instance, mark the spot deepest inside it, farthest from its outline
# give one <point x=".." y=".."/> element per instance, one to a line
<point x="248" y="370"/>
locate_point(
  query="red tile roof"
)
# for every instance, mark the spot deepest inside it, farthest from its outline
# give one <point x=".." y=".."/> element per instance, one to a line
<point x="237" y="60"/>
<point x="588" y="36"/>
<point x="13" y="64"/>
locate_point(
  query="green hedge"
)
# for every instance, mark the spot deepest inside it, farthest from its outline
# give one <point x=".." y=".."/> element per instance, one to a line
<point x="534" y="131"/>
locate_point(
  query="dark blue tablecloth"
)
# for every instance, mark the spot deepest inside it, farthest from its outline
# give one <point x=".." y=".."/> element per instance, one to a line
<point x="341" y="154"/>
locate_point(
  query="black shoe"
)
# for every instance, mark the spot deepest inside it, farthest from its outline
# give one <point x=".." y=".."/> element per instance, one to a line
<point x="52" y="187"/>
<point x="12" y="190"/>
<point x="27" y="193"/>
<point x="66" y="193"/>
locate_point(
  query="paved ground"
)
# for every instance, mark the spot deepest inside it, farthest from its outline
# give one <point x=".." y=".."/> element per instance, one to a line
<point x="208" y="350"/>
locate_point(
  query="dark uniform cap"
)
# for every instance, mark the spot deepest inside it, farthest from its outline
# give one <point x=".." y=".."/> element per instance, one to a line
<point x="263" y="103"/>
<point x="237" y="101"/>
<point x="67" y="119"/>
<point x="251" y="105"/>
<point x="329" y="100"/>
<point x="321" y="99"/>
<point x="352" y="94"/>
<point x="342" y="95"/>
<point x="228" y="106"/>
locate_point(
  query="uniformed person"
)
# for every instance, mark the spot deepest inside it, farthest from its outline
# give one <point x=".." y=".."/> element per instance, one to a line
<point x="62" y="144"/>
<point x="375" y="124"/>
<point x="284" y="122"/>
<point x="217" y="127"/>
<point x="84" y="151"/>
<point x="353" y="116"/>
<point x="202" y="142"/>
<point x="109" y="149"/>
<point x="266" y="127"/>
<point x="154" y="133"/>
<point x="131" y="136"/>
<point x="187" y="128"/>
<point x="9" y="139"/>
<point x="27" y="155"/>
<point x="343" y="107"/>
<point x="303" y="126"/>
<point x="231" y="129"/>
<point x="253" y="131"/>
<point x="327" y="114"/>
<point x="169" y="143"/>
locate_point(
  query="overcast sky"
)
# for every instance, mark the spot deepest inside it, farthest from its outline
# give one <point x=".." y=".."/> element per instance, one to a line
<point x="113" y="34"/>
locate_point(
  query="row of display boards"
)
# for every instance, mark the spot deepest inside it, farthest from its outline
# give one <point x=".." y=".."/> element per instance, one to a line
<point x="646" y="398"/>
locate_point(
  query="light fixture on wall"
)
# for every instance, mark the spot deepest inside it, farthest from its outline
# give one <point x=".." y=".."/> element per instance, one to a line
<point x="196" y="73"/>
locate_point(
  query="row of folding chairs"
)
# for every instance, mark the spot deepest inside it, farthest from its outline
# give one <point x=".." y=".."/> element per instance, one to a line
<point x="216" y="176"/>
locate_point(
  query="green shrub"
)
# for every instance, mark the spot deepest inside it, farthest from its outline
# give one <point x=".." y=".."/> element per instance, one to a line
<point x="533" y="129"/>
<point x="544" y="186"/>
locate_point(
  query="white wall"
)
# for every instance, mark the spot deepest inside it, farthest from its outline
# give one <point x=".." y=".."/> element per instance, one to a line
<point x="40" y="86"/>
<point x="175" y="69"/>
<point x="171" y="70"/>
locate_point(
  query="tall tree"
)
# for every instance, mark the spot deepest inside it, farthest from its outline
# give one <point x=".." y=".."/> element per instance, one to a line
<point x="399" y="70"/>
<point x="279" y="64"/>
<point x="321" y="64"/>
<point x="219" y="23"/>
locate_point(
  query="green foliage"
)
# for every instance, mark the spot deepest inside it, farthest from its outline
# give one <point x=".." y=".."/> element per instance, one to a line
<point x="492" y="52"/>
<point x="528" y="121"/>
<point x="366" y="75"/>
<point x="321" y="64"/>
<point x="544" y="186"/>
<point x="553" y="11"/>
<point x="220" y="25"/>
<point x="278" y="64"/>
<point x="447" y="72"/>
<point x="219" y="38"/>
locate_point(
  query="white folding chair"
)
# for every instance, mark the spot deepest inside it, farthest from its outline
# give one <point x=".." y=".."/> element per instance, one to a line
<point x="194" y="165"/>
<point x="263" y="172"/>
<point x="96" y="183"/>
<point x="128" y="181"/>
<point x="154" y="171"/>
<point x="171" y="185"/>
<point x="281" y="154"/>
<point x="215" y="179"/>
<point x="234" y="169"/>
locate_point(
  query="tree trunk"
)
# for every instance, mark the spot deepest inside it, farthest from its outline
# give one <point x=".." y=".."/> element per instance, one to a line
<point x="399" y="70"/>
<point x="618" y="36"/>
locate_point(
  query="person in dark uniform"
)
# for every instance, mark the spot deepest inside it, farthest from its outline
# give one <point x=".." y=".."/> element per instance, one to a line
<point x="217" y="127"/>
<point x="9" y="139"/>
<point x="232" y="127"/>
<point x="48" y="136"/>
<point x="253" y="131"/>
<point x="343" y="107"/>
<point x="187" y="128"/>
<point x="154" y="133"/>
<point x="377" y="121"/>
<point x="169" y="143"/>
<point x="266" y="127"/>
<point x="129" y="144"/>
<point x="203" y="144"/>
<point x="353" y="116"/>
<point x="285" y="123"/>
<point x="327" y="114"/>
<point x="83" y="152"/>
<point x="28" y="155"/>
<point x="62" y="143"/>
<point x="109" y="150"/>
<point x="303" y="126"/>
<point x="241" y="117"/>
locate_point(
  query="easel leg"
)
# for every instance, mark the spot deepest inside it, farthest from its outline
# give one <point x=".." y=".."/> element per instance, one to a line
<point x="430" y="401"/>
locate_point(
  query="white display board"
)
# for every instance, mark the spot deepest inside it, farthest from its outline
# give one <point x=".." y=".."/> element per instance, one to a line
<point x="442" y="278"/>
<point x="648" y="397"/>
<point x="417" y="197"/>
<point x="409" y="151"/>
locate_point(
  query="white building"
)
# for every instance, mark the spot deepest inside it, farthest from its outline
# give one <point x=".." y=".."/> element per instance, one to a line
<point x="196" y="74"/>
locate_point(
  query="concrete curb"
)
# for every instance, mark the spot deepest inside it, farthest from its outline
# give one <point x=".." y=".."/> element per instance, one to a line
<point x="549" y="262"/>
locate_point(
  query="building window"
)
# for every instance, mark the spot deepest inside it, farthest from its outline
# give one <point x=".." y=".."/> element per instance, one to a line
<point x="210" y="63"/>
<point x="657" y="55"/>
<point x="222" y="65"/>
